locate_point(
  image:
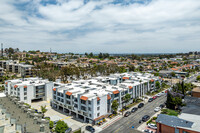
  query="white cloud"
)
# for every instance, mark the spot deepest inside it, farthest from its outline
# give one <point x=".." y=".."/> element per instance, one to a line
<point x="99" y="26"/>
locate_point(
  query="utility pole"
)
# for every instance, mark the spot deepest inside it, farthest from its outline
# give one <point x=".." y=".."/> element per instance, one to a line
<point x="2" y="50"/>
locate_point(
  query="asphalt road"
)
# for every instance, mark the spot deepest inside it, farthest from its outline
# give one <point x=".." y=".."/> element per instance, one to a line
<point x="192" y="79"/>
<point x="125" y="124"/>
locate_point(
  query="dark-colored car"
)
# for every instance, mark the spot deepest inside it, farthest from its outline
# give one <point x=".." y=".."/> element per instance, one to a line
<point x="145" y="118"/>
<point x="127" y="114"/>
<point x="69" y="130"/>
<point x="90" y="128"/>
<point x="150" y="100"/>
<point x="140" y="105"/>
<point x="134" y="109"/>
<point x="162" y="106"/>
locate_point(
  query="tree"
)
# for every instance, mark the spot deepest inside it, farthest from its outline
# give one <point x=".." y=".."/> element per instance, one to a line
<point x="43" y="109"/>
<point x="127" y="97"/>
<point x="170" y="102"/>
<point x="115" y="105"/>
<point x="173" y="74"/>
<point x="198" y="78"/>
<point x="51" y="124"/>
<point x="61" y="126"/>
<point x="157" y="85"/>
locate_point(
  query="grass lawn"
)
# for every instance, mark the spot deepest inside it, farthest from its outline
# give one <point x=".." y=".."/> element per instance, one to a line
<point x="170" y="112"/>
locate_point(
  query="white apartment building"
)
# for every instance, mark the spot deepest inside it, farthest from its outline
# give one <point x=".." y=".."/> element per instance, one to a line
<point x="16" y="67"/>
<point x="90" y="100"/>
<point x="29" y="89"/>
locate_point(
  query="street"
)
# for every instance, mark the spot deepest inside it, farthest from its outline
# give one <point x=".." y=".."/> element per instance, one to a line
<point x="191" y="79"/>
<point x="126" y="124"/>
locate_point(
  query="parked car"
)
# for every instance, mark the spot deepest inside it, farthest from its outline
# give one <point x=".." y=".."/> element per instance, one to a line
<point x="162" y="106"/>
<point x="150" y="100"/>
<point x="158" y="95"/>
<point x="134" y="109"/>
<point x="140" y="105"/>
<point x="145" y="118"/>
<point x="162" y="93"/>
<point x="90" y="128"/>
<point x="152" y="126"/>
<point x="69" y="130"/>
<point x="154" y="97"/>
<point x="127" y="114"/>
<point x="148" y="131"/>
<point x="157" y="109"/>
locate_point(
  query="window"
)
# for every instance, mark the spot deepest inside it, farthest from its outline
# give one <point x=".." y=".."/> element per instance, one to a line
<point x="98" y="108"/>
<point x="25" y="93"/>
<point x="25" y="98"/>
<point x="89" y="108"/>
<point x="98" y="114"/>
<point x="67" y="102"/>
<point x="75" y="100"/>
<point x="68" y="97"/>
<point x="90" y="115"/>
<point x="89" y="102"/>
<point x="25" y="89"/>
<point x="98" y="102"/>
<point x="61" y="95"/>
<point x="75" y="105"/>
<point x="83" y="102"/>
<point x="83" y="108"/>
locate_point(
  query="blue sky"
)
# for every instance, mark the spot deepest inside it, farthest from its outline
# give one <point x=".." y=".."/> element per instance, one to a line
<point x="113" y="26"/>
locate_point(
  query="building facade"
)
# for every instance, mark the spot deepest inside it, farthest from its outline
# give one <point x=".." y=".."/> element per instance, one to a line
<point x="91" y="100"/>
<point x="16" y="67"/>
<point x="29" y="89"/>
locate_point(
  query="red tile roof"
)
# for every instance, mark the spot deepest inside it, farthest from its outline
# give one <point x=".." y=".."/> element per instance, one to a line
<point x="125" y="78"/>
<point x="54" y="89"/>
<point x="152" y="80"/>
<point x="174" y="69"/>
<point x="130" y="87"/>
<point x="84" y="98"/>
<point x="15" y="86"/>
<point x="6" y="83"/>
<point x="68" y="93"/>
<point x="115" y="92"/>
<point x="98" y="98"/>
<point x="108" y="97"/>
<point x="25" y="86"/>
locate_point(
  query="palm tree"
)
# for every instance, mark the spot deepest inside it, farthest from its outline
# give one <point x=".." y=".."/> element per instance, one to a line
<point x="43" y="109"/>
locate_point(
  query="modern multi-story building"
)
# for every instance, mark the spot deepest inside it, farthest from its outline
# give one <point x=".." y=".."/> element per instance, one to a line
<point x="15" y="67"/>
<point x="29" y="89"/>
<point x="90" y="100"/>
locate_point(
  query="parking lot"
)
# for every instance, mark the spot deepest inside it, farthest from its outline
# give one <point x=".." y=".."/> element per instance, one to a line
<point x="58" y="115"/>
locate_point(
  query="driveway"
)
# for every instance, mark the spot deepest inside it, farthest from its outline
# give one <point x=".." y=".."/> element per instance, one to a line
<point x="58" y="115"/>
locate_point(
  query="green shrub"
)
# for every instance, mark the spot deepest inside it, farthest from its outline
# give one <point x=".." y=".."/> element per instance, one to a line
<point x="78" y="131"/>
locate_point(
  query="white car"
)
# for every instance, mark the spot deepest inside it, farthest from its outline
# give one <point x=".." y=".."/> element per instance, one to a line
<point x="158" y="95"/>
<point x="152" y="126"/>
<point x="157" y="109"/>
